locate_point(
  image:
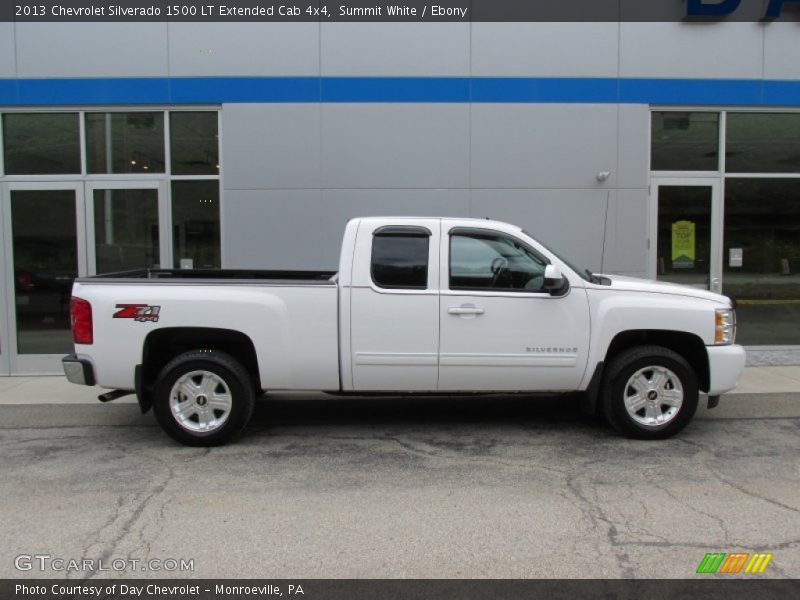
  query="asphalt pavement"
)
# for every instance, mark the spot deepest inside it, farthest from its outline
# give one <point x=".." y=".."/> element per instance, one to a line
<point x="500" y="487"/>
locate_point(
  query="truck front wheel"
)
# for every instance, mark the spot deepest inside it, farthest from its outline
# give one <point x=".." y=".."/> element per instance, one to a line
<point x="203" y="398"/>
<point x="650" y="392"/>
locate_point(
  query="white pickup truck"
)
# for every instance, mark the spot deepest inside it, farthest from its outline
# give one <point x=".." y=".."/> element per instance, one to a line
<point x="419" y="305"/>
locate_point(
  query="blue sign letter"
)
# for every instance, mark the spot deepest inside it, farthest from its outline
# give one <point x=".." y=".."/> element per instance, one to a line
<point x="701" y="8"/>
<point x="775" y="7"/>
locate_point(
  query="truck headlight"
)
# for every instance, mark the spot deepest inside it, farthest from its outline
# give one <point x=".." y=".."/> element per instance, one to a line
<point x="725" y="326"/>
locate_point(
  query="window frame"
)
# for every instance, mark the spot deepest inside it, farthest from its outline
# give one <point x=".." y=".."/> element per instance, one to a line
<point x="407" y="231"/>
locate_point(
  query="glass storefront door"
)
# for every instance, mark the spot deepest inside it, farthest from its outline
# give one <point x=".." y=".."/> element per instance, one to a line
<point x="123" y="226"/>
<point x="44" y="253"/>
<point x="687" y="232"/>
<point x="55" y="232"/>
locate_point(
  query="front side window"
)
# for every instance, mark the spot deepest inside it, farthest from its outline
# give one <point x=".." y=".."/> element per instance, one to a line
<point x="485" y="260"/>
<point x="400" y="258"/>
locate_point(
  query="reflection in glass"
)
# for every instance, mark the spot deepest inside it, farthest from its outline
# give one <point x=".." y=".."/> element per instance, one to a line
<point x="685" y="141"/>
<point x="195" y="223"/>
<point x="125" y="229"/>
<point x="194" y="144"/>
<point x="684" y="234"/>
<point x="763" y="143"/>
<point x="762" y="226"/>
<point x="41" y="143"/>
<point x="125" y="142"/>
<point x="45" y="263"/>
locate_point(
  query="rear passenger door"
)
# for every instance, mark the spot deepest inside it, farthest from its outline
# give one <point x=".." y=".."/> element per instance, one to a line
<point x="394" y="319"/>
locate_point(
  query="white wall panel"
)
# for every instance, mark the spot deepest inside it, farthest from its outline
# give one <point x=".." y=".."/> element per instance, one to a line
<point x="8" y="51"/>
<point x="782" y="50"/>
<point x="273" y="229"/>
<point x="92" y="49"/>
<point x="702" y="50"/>
<point x="244" y="49"/>
<point x="395" y="145"/>
<point x="395" y="49"/>
<point x="271" y="145"/>
<point x="543" y="145"/>
<point x="545" y="49"/>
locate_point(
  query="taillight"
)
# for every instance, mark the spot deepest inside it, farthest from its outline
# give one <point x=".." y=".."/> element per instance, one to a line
<point x="80" y="317"/>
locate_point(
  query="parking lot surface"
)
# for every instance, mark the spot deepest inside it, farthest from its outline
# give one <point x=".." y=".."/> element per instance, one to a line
<point x="424" y="487"/>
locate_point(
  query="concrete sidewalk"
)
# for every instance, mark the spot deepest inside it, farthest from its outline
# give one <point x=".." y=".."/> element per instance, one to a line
<point x="57" y="390"/>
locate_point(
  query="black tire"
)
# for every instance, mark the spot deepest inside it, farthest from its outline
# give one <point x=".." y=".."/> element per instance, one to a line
<point x="224" y="368"/>
<point x="615" y="389"/>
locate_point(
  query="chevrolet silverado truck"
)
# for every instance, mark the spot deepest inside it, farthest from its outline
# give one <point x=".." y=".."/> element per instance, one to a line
<point x="418" y="306"/>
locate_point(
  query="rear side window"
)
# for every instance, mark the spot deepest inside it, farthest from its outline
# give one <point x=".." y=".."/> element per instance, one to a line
<point x="400" y="258"/>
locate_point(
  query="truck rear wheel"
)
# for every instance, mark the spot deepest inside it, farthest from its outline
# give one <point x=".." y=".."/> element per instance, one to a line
<point x="649" y="393"/>
<point x="203" y="398"/>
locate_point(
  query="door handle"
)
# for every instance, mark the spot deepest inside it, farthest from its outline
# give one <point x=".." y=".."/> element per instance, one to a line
<point x="465" y="310"/>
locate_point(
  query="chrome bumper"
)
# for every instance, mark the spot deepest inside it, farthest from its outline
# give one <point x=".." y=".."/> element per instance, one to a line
<point x="78" y="370"/>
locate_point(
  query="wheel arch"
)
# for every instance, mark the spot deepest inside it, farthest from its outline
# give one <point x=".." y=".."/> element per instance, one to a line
<point x="689" y="345"/>
<point x="162" y="345"/>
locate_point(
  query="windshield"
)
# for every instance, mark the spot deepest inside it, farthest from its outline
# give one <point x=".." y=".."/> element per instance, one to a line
<point x="584" y="274"/>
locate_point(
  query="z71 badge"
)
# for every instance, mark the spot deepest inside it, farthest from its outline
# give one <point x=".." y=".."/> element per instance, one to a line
<point x="138" y="312"/>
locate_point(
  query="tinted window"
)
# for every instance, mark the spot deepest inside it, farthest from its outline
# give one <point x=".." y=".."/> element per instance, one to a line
<point x="492" y="261"/>
<point x="685" y="141"/>
<point x="763" y="143"/>
<point x="195" y="223"/>
<point x="125" y="142"/>
<point x="400" y="260"/>
<point x="193" y="143"/>
<point x="41" y="143"/>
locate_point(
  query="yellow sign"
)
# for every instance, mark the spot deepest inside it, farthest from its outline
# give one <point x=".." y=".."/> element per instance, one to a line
<point x="683" y="245"/>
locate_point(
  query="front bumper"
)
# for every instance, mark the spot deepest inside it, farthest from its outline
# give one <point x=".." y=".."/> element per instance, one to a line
<point x="725" y="366"/>
<point x="78" y="370"/>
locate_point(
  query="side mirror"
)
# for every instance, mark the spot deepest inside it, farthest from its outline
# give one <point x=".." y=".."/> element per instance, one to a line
<point x="553" y="279"/>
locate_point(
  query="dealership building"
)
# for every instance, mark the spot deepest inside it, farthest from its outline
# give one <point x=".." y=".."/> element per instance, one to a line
<point x="668" y="150"/>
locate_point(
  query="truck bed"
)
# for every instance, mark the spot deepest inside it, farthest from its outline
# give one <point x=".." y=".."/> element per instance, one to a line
<point x="216" y="276"/>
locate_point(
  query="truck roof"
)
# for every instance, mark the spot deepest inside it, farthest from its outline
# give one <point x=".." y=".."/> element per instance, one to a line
<point x="475" y="220"/>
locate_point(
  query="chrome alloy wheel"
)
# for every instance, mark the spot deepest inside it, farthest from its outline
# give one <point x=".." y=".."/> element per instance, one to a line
<point x="653" y="396"/>
<point x="200" y="401"/>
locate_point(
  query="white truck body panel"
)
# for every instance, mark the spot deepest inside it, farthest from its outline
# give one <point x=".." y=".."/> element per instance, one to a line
<point x="349" y="334"/>
<point x="294" y="329"/>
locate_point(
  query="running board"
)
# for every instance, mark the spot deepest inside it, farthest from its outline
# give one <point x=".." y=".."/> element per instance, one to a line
<point x="113" y="395"/>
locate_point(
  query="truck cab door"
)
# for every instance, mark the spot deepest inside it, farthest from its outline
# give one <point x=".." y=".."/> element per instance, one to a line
<point x="394" y="306"/>
<point x="501" y="330"/>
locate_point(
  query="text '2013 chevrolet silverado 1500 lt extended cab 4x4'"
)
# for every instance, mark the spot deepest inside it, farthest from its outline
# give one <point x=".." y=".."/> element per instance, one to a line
<point x="419" y="305"/>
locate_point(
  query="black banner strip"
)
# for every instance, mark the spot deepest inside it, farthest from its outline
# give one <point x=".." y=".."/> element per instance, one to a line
<point x="404" y="11"/>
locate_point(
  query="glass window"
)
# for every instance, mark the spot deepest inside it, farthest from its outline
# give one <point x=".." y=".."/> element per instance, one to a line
<point x="41" y="143"/>
<point x="195" y="224"/>
<point x="400" y="258"/>
<point x="493" y="261"/>
<point x="762" y="258"/>
<point x="684" y="234"/>
<point x="763" y="143"/>
<point x="126" y="229"/>
<point x="685" y="141"/>
<point x="125" y="142"/>
<point x="45" y="255"/>
<point x="194" y="144"/>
